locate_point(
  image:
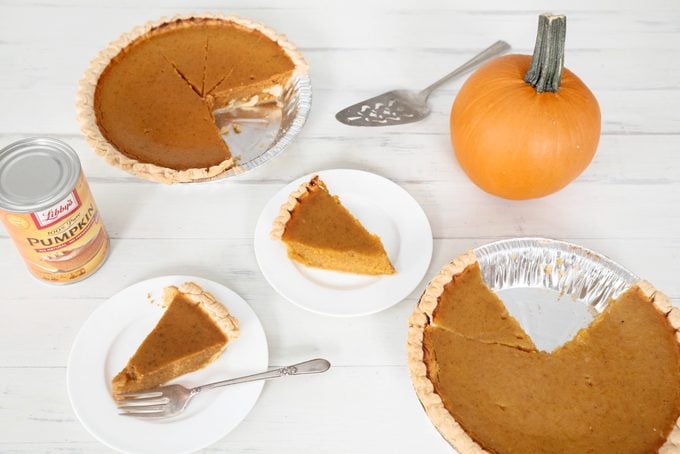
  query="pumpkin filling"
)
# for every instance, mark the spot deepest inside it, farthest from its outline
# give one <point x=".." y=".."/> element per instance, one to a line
<point x="322" y="233"/>
<point x="188" y="336"/>
<point x="155" y="100"/>
<point x="615" y="387"/>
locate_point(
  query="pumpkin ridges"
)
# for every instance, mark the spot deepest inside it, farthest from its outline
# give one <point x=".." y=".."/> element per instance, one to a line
<point x="490" y="82"/>
<point x="526" y="176"/>
<point x="485" y="157"/>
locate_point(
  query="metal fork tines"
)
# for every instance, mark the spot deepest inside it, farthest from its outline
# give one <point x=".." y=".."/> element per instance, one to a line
<point x="170" y="400"/>
<point x="155" y="403"/>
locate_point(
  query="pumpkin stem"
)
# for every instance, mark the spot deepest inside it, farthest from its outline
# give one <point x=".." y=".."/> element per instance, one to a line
<point x="545" y="71"/>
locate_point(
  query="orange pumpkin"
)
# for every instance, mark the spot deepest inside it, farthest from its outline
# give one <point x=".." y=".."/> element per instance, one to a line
<point x="525" y="127"/>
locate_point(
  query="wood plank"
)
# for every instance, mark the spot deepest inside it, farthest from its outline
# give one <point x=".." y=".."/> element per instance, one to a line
<point x="487" y="7"/>
<point x="405" y="158"/>
<point x="299" y="413"/>
<point x="434" y="26"/>
<point x="345" y="69"/>
<point x="648" y="116"/>
<point x="455" y="208"/>
<point x="625" y="168"/>
<point x="47" y="77"/>
<point x="346" y="342"/>
<point x="29" y="447"/>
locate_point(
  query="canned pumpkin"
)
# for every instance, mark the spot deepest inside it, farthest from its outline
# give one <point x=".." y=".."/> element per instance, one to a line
<point x="48" y="210"/>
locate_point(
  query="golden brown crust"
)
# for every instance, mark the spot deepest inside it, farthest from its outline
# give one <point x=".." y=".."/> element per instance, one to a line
<point x="219" y="314"/>
<point x="663" y="304"/>
<point x="280" y="221"/>
<point x="421" y="317"/>
<point x="428" y="302"/>
<point x="672" y="444"/>
<point x="88" y="83"/>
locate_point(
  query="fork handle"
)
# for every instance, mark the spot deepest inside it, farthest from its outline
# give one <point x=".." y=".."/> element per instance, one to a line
<point x="314" y="366"/>
<point x="497" y="48"/>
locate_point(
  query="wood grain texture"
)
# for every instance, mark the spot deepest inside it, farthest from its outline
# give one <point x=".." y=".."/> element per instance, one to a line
<point x="626" y="204"/>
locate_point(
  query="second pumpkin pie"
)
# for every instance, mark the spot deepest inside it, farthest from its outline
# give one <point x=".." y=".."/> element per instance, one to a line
<point x="614" y="387"/>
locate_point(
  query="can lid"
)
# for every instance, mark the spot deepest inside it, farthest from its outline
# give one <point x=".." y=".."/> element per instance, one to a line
<point x="36" y="173"/>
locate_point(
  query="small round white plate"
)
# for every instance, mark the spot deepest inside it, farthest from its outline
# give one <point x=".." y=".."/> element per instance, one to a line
<point x="383" y="208"/>
<point x="112" y="334"/>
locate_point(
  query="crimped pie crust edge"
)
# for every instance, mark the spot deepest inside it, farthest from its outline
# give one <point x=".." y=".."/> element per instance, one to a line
<point x="280" y="221"/>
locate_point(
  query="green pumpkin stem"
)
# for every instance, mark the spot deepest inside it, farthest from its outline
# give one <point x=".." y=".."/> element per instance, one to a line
<point x="545" y="71"/>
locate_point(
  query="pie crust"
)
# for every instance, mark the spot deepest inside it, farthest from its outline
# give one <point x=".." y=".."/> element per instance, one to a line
<point x="280" y="221"/>
<point x="87" y="86"/>
<point x="421" y="317"/>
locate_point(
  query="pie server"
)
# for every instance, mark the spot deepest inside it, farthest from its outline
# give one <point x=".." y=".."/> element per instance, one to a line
<point x="399" y="107"/>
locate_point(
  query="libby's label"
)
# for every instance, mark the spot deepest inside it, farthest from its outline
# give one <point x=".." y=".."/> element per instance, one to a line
<point x="63" y="243"/>
<point x="52" y="215"/>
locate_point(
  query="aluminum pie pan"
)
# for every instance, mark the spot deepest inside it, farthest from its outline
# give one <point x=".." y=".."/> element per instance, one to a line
<point x="266" y="130"/>
<point x="553" y="288"/>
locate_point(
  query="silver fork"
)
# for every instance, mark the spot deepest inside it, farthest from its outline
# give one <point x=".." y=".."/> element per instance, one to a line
<point x="170" y="400"/>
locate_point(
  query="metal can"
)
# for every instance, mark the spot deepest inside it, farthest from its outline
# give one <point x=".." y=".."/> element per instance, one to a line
<point x="48" y="210"/>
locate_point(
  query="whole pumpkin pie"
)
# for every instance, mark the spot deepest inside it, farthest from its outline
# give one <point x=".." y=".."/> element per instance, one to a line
<point x="614" y="387"/>
<point x="147" y="101"/>
<point x="193" y="331"/>
<point x="320" y="232"/>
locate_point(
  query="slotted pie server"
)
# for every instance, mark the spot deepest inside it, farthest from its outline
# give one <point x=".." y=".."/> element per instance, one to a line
<point x="398" y="107"/>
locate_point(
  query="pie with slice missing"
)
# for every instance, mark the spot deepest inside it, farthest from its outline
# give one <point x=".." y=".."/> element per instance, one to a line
<point x="193" y="331"/>
<point x="613" y="388"/>
<point x="320" y="232"/>
<point x="147" y="101"/>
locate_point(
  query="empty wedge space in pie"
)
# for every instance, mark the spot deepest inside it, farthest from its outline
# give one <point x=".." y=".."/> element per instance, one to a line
<point x="193" y="331"/>
<point x="146" y="103"/>
<point x="614" y="387"/>
<point x="320" y="232"/>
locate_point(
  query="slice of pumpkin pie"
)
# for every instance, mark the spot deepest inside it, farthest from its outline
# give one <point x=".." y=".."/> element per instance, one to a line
<point x="320" y="232"/>
<point x="194" y="330"/>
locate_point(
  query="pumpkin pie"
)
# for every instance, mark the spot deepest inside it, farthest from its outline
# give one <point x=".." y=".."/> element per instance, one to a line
<point x="614" y="387"/>
<point x="193" y="331"/>
<point x="320" y="232"/>
<point x="147" y="102"/>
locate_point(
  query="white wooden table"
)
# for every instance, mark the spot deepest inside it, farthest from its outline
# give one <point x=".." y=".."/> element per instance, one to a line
<point x="626" y="205"/>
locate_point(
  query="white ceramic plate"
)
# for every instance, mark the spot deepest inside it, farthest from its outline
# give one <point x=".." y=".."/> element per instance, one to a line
<point x="383" y="208"/>
<point x="111" y="335"/>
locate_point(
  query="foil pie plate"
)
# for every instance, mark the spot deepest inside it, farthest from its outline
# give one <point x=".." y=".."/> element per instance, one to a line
<point x="259" y="133"/>
<point x="553" y="288"/>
